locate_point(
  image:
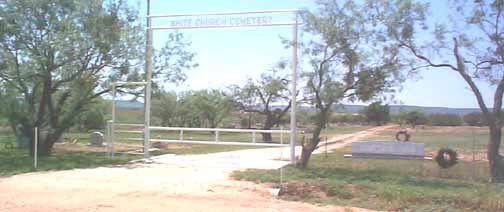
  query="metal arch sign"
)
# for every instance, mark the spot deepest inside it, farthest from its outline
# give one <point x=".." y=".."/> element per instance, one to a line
<point x="224" y="20"/>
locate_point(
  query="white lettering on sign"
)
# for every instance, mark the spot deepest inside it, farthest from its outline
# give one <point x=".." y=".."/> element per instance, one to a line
<point x="221" y="21"/>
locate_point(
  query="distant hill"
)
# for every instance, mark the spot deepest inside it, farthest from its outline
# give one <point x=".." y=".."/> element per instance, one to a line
<point x="129" y="104"/>
<point x="342" y="108"/>
<point x="398" y="108"/>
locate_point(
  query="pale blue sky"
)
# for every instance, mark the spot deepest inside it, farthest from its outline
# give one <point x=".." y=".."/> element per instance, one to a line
<point x="229" y="56"/>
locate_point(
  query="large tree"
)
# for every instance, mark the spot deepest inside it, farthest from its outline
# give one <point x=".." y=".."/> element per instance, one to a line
<point x="57" y="56"/>
<point x="268" y="96"/>
<point x="469" y="42"/>
<point x="377" y="113"/>
<point x="348" y="58"/>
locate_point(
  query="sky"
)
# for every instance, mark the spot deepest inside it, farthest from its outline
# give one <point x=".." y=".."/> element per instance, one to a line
<point x="231" y="56"/>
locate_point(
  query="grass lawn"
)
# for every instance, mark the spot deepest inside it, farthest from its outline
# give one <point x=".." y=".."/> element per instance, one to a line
<point x="393" y="185"/>
<point x="14" y="161"/>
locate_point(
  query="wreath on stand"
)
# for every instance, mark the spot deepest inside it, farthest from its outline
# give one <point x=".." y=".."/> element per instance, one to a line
<point x="446" y="158"/>
<point x="402" y="136"/>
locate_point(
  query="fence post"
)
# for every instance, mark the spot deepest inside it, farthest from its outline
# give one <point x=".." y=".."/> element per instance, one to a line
<point x="107" y="127"/>
<point x="216" y="136"/>
<point x="281" y="135"/>
<point x="112" y="139"/>
<point x="181" y="136"/>
<point x="35" y="154"/>
<point x="109" y="138"/>
<point x="254" y="137"/>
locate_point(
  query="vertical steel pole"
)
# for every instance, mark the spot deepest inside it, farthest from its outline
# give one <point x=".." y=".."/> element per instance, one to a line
<point x="148" y="77"/>
<point x="293" y="93"/>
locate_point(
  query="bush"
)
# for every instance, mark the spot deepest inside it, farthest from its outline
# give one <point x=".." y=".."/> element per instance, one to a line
<point x="445" y="119"/>
<point x="416" y="118"/>
<point x="94" y="116"/>
<point x="474" y="119"/>
<point x="93" y="119"/>
<point x="377" y="113"/>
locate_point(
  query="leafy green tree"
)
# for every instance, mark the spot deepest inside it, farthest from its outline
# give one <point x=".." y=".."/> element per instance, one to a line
<point x="213" y="106"/>
<point x="468" y="42"/>
<point x="261" y="96"/>
<point x="164" y="107"/>
<point x="94" y="116"/>
<point x="349" y="58"/>
<point x="186" y="113"/>
<point x="378" y="113"/>
<point x="58" y="56"/>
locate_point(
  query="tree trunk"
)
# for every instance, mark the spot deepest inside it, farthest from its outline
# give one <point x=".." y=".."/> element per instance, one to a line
<point x="494" y="158"/>
<point x="266" y="137"/>
<point x="45" y="142"/>
<point x="307" y="149"/>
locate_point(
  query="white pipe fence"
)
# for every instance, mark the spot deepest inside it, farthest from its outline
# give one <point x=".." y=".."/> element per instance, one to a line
<point x="111" y="131"/>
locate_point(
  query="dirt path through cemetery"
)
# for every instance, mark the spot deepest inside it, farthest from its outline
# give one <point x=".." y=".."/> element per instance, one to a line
<point x="165" y="183"/>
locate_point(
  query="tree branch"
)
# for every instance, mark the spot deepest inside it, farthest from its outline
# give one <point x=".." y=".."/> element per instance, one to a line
<point x="424" y="58"/>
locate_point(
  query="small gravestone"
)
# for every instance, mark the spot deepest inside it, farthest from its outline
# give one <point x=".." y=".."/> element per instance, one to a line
<point x="96" y="139"/>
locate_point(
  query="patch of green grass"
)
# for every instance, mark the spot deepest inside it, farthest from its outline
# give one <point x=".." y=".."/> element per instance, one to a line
<point x="395" y="185"/>
<point x="17" y="161"/>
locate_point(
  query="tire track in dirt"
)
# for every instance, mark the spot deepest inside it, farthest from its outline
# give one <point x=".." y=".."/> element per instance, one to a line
<point x="341" y="141"/>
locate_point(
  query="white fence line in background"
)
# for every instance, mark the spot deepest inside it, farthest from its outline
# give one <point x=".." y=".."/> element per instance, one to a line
<point x="216" y="129"/>
<point x="232" y="143"/>
<point x="111" y="130"/>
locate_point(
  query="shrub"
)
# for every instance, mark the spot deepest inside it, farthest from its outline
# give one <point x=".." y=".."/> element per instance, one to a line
<point x="377" y="113"/>
<point x="416" y="118"/>
<point x="445" y="119"/>
<point x="474" y="119"/>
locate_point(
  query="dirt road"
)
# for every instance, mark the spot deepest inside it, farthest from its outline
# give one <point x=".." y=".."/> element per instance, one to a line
<point x="166" y="183"/>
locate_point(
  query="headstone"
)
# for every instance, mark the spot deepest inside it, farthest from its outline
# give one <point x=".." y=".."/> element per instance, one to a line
<point x="96" y="139"/>
<point x="388" y="149"/>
